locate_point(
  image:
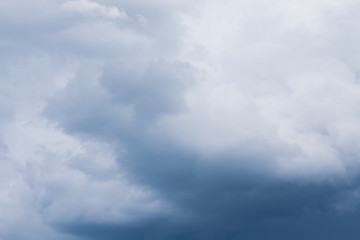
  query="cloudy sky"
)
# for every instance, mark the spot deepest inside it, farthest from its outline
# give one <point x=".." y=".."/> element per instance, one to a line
<point x="179" y="119"/>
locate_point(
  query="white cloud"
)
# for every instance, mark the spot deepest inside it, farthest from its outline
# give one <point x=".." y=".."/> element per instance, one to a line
<point x="274" y="82"/>
<point x="94" y="9"/>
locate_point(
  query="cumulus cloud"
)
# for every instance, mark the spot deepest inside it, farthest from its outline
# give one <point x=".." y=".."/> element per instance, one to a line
<point x="281" y="79"/>
<point x="179" y="119"/>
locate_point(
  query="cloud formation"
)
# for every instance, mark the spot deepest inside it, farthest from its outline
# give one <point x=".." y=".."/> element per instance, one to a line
<point x="179" y="119"/>
<point x="94" y="9"/>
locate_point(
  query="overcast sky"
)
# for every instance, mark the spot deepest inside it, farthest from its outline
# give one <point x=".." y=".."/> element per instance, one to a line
<point x="179" y="119"/>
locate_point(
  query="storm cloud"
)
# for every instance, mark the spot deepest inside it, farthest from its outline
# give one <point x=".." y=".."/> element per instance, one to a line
<point x="179" y="119"/>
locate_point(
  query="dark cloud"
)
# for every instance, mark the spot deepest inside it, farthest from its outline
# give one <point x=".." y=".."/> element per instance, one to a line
<point x="155" y="90"/>
<point x="274" y="211"/>
<point x="183" y="120"/>
<point x="217" y="199"/>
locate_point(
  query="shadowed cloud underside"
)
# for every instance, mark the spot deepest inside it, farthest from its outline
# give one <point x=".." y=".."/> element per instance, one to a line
<point x="179" y="119"/>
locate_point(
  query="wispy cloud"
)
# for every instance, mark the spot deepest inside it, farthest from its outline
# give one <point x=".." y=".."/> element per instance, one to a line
<point x="94" y="9"/>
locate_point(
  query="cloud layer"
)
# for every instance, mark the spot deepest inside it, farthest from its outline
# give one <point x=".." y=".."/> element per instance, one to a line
<point x="179" y="119"/>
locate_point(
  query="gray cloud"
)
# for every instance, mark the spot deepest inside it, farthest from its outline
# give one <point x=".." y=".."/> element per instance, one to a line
<point x="182" y="120"/>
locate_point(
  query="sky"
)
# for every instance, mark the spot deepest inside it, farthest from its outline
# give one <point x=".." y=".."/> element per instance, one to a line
<point x="179" y="119"/>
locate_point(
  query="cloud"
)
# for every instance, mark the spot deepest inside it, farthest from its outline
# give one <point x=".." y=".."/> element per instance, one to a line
<point x="94" y="9"/>
<point x="275" y="75"/>
<point x="179" y="120"/>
